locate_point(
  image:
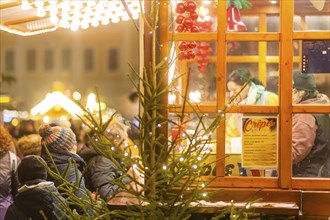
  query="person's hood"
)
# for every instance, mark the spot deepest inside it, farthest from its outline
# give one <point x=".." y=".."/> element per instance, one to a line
<point x="34" y="198"/>
<point x="321" y="99"/>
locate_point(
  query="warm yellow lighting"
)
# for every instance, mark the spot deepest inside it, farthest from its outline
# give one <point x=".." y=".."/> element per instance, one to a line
<point x="4" y="99"/>
<point x="46" y="119"/>
<point x="91" y="102"/>
<point x="63" y="118"/>
<point x="204" y="11"/>
<point x="195" y="96"/>
<point x="54" y="99"/>
<point x="76" y="96"/>
<point x="78" y="14"/>
<point x="57" y="108"/>
<point x="102" y="105"/>
<point x="14" y="122"/>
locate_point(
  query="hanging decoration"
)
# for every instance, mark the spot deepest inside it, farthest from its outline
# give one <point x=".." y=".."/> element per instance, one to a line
<point x="204" y="48"/>
<point x="189" y="20"/>
<point x="234" y="22"/>
<point x="186" y="22"/>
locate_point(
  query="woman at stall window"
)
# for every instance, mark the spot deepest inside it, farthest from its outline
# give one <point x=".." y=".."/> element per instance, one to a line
<point x="253" y="94"/>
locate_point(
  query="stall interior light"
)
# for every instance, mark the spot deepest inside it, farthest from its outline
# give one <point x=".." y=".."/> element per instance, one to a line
<point x="4" y="99"/>
<point x="83" y="14"/>
<point x="54" y="99"/>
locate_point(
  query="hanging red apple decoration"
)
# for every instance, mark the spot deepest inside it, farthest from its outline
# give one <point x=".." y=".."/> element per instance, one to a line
<point x="180" y="8"/>
<point x="204" y="50"/>
<point x="186" y="22"/>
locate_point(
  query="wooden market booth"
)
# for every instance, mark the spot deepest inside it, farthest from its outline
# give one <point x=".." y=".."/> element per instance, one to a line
<point x="285" y="24"/>
<point x="272" y="45"/>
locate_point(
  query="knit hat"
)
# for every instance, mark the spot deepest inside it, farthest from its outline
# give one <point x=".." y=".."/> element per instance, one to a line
<point x="57" y="138"/>
<point x="303" y="81"/>
<point x="31" y="168"/>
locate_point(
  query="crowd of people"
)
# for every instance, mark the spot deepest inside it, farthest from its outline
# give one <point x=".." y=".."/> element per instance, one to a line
<point x="29" y="190"/>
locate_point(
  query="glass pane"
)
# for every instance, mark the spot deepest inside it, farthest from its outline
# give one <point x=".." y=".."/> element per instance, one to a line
<point x="310" y="145"/>
<point x="273" y="23"/>
<point x="312" y="15"/>
<point x="89" y="59"/>
<point x="49" y="60"/>
<point x="272" y="48"/>
<point x="198" y="60"/>
<point x="66" y="59"/>
<point x="192" y="130"/>
<point x="242" y="48"/>
<point x="255" y="23"/>
<point x="251" y="23"/>
<point x="272" y="77"/>
<point x="10" y="60"/>
<point x="31" y="60"/>
<point x="252" y="145"/>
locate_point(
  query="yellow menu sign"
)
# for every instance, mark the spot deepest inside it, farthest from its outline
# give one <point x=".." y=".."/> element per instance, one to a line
<point x="259" y="142"/>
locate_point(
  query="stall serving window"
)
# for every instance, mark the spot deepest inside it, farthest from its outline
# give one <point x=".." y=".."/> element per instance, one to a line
<point x="269" y="49"/>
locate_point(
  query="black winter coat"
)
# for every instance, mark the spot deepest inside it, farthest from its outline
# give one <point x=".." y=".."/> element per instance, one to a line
<point x="33" y="199"/>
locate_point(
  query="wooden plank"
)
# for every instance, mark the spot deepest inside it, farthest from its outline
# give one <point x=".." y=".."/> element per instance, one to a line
<point x="201" y="36"/>
<point x="9" y="4"/>
<point x="311" y="109"/>
<point x="23" y="20"/>
<point x="255" y="36"/>
<point x="316" y="203"/>
<point x="321" y="35"/>
<point x="262" y="52"/>
<point x="285" y="91"/>
<point x="267" y="195"/>
<point x="212" y="108"/>
<point x="244" y="182"/>
<point x="307" y="183"/>
<point x="221" y="84"/>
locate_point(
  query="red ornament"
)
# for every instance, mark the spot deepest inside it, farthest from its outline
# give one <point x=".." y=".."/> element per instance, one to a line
<point x="179" y="19"/>
<point x="179" y="28"/>
<point x="183" y="46"/>
<point x="187" y="22"/>
<point x="182" y="55"/>
<point x="200" y="60"/>
<point x="194" y="28"/>
<point x="190" y="54"/>
<point x="187" y="30"/>
<point x="192" y="45"/>
<point x="180" y="8"/>
<point x="194" y="15"/>
<point x="202" y="69"/>
<point x="191" y="6"/>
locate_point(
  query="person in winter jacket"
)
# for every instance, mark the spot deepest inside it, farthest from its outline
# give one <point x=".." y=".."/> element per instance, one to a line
<point x="36" y="197"/>
<point x="8" y="176"/>
<point x="61" y="144"/>
<point x="102" y="173"/>
<point x="310" y="132"/>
